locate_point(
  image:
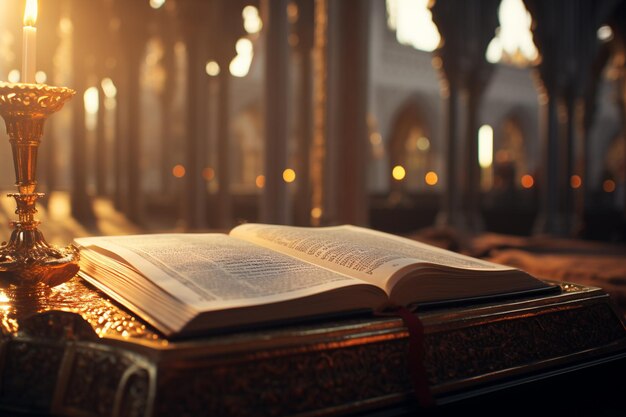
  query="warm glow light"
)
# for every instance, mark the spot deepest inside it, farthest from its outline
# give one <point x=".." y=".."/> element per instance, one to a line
<point x="289" y="175"/>
<point x="178" y="171"/>
<point x="212" y="68"/>
<point x="608" y="186"/>
<point x="485" y="146"/>
<point x="41" y="77"/>
<point x="398" y="173"/>
<point x="66" y="27"/>
<point x="494" y="51"/>
<point x="260" y="181"/>
<point x="605" y="33"/>
<point x="316" y="212"/>
<point x="252" y="22"/>
<point x="4" y="298"/>
<point x="30" y="13"/>
<point x="423" y="144"/>
<point x="431" y="178"/>
<point x="108" y="87"/>
<point x="514" y="40"/>
<point x="156" y="4"/>
<point x="208" y="173"/>
<point x="527" y="181"/>
<point x="14" y="76"/>
<point x="575" y="181"/>
<point x="91" y="99"/>
<point x="413" y="23"/>
<point x="240" y="65"/>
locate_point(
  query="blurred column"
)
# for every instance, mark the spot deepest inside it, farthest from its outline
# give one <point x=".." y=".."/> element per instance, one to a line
<point x="348" y="46"/>
<point x="304" y="31"/>
<point x="81" y="207"/>
<point x="101" y="147"/>
<point x="618" y="24"/>
<point x="565" y="34"/>
<point x="318" y="157"/>
<point x="167" y="110"/>
<point x="49" y="29"/>
<point x="466" y="27"/>
<point x="228" y="28"/>
<point x="195" y="33"/>
<point x="134" y="38"/>
<point x="274" y="198"/>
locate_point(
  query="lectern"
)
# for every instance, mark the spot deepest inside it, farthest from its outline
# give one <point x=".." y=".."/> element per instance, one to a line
<point x="70" y="351"/>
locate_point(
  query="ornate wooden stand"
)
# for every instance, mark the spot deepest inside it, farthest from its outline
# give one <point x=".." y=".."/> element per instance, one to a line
<point x="91" y="358"/>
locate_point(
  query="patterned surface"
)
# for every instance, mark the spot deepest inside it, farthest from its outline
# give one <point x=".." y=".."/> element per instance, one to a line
<point x="75" y="296"/>
<point x="83" y="351"/>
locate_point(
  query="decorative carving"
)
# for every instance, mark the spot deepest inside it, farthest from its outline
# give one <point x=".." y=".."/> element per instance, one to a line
<point x="57" y="325"/>
<point x="134" y="402"/>
<point x="97" y="376"/>
<point x="75" y="296"/>
<point x="330" y="377"/>
<point x="499" y="345"/>
<point x="330" y="368"/>
<point x="20" y="99"/>
<point x="29" y="374"/>
<point x="289" y="384"/>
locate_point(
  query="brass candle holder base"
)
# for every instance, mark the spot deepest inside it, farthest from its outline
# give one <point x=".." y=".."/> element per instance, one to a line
<point x="27" y="259"/>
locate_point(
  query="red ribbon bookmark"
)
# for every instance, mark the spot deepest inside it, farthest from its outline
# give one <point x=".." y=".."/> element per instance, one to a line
<point x="416" y="357"/>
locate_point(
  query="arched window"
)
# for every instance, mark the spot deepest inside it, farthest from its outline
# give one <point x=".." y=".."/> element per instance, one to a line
<point x="511" y="161"/>
<point x="411" y="151"/>
<point x="247" y="152"/>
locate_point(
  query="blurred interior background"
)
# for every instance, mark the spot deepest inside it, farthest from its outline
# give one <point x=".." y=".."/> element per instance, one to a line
<point x="481" y="115"/>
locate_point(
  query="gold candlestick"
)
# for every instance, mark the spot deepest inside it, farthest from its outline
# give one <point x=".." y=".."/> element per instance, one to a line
<point x="27" y="259"/>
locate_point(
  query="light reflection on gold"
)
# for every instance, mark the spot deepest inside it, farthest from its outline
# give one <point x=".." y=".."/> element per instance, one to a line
<point x="106" y="318"/>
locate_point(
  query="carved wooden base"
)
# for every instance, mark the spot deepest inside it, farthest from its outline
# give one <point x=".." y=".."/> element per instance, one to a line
<point x="325" y="368"/>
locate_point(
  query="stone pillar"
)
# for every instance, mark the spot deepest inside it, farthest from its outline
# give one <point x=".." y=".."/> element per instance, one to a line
<point x="48" y="29"/>
<point x="80" y="204"/>
<point x="274" y="198"/>
<point x="100" y="154"/>
<point x="348" y="45"/>
<point x="466" y="27"/>
<point x="318" y="157"/>
<point x="618" y="24"/>
<point x="565" y="34"/>
<point x="304" y="30"/>
<point x="228" y="28"/>
<point x="195" y="32"/>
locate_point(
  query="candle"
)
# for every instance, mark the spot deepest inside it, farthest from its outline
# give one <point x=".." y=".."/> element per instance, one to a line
<point x="29" y="38"/>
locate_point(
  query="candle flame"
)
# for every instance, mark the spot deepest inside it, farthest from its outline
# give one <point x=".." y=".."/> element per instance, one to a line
<point x="30" y="13"/>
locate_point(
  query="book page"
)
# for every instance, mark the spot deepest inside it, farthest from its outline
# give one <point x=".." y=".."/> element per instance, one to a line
<point x="364" y="254"/>
<point x="211" y="271"/>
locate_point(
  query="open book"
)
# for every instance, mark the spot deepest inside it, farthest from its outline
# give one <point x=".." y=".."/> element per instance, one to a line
<point x="189" y="283"/>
